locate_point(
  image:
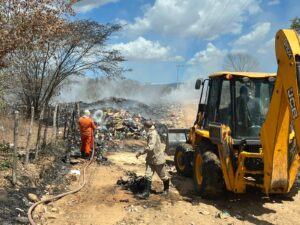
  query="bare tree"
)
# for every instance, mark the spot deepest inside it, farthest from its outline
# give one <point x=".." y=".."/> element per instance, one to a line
<point x="40" y="73"/>
<point x="241" y="62"/>
<point x="29" y="22"/>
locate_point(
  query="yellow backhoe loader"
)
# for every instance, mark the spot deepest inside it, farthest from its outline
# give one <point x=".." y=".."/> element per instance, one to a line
<point x="247" y="129"/>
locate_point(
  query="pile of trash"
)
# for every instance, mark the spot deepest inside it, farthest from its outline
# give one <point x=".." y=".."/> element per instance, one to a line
<point x="118" y="124"/>
<point x="135" y="107"/>
<point x="118" y="119"/>
<point x="113" y="126"/>
<point x="172" y="114"/>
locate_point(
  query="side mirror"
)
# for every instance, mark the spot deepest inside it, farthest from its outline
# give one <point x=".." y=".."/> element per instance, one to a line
<point x="198" y="83"/>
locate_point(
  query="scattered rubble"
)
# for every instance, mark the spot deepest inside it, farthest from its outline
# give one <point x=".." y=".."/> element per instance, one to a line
<point x="76" y="172"/>
<point x="223" y="215"/>
<point x="22" y="220"/>
<point x="204" y="212"/>
<point x="33" y="197"/>
<point x="55" y="210"/>
<point x="131" y="208"/>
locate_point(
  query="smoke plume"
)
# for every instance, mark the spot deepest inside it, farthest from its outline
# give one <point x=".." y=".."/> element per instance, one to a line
<point x="93" y="89"/>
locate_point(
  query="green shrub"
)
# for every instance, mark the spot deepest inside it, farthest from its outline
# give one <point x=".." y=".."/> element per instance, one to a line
<point x="6" y="164"/>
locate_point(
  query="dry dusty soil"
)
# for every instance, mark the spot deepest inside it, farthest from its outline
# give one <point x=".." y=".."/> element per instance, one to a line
<point x="102" y="201"/>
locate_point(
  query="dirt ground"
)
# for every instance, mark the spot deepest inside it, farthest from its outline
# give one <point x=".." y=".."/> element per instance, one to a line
<point x="102" y="201"/>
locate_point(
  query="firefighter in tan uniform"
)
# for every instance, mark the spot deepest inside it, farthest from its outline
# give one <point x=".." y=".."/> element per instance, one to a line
<point x="155" y="160"/>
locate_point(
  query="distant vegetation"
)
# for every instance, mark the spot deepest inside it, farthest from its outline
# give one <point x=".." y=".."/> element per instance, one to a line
<point x="241" y="62"/>
<point x="296" y="24"/>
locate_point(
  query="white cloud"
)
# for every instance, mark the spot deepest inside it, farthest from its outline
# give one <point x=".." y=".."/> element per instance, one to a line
<point x="87" y="5"/>
<point x="268" y="47"/>
<point x="207" y="61"/>
<point x="211" y="53"/>
<point x="143" y="49"/>
<point x="260" y="30"/>
<point x="239" y="51"/>
<point x="200" y="18"/>
<point x="274" y="2"/>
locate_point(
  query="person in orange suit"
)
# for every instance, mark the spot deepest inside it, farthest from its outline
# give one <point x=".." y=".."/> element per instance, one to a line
<point x="87" y="127"/>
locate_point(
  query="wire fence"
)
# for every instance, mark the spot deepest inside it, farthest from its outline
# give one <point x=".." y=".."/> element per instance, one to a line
<point x="29" y="136"/>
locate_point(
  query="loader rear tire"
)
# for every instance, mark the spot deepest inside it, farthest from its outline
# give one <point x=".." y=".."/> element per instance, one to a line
<point x="208" y="177"/>
<point x="183" y="158"/>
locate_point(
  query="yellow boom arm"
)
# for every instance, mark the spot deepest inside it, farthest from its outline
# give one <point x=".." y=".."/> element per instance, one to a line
<point x="283" y="117"/>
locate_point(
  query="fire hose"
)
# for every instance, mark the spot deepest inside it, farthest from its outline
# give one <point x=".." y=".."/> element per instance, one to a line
<point x="29" y="214"/>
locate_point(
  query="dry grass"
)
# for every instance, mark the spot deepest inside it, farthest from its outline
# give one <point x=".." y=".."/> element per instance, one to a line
<point x="7" y="131"/>
<point x="7" y="136"/>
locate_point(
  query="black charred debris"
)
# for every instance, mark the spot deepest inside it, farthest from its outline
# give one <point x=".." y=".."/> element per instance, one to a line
<point x="132" y="182"/>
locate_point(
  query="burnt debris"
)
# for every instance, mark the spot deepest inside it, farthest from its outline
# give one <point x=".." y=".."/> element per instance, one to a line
<point x="132" y="182"/>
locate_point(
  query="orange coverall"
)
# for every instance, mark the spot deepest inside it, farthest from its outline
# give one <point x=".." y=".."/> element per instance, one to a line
<point x="87" y="127"/>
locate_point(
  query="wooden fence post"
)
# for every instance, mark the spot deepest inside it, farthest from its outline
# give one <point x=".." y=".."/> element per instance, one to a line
<point x="69" y="123"/>
<point x="73" y="125"/>
<point x="78" y="111"/>
<point x="2" y="130"/>
<point x="38" y="141"/>
<point x="57" y="121"/>
<point x="46" y="128"/>
<point x="66" y="123"/>
<point x="54" y="126"/>
<point x="15" y="155"/>
<point x="29" y="136"/>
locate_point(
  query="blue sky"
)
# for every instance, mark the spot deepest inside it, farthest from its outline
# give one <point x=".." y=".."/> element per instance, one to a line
<point x="195" y="34"/>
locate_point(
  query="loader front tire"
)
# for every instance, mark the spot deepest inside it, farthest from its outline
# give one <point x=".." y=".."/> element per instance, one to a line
<point x="208" y="177"/>
<point x="183" y="158"/>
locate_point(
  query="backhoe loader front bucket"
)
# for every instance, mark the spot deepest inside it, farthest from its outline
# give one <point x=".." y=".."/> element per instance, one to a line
<point x="175" y="137"/>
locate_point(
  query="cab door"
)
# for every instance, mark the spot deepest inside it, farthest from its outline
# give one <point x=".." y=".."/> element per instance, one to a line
<point x="219" y="102"/>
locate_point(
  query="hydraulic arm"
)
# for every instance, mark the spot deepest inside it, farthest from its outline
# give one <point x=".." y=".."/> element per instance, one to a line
<point x="282" y="125"/>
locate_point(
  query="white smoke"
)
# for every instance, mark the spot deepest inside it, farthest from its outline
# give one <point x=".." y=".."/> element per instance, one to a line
<point x="91" y="90"/>
<point x="98" y="116"/>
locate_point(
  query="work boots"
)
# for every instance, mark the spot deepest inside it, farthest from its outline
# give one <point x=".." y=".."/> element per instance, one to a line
<point x="166" y="187"/>
<point x="146" y="191"/>
<point x="86" y="156"/>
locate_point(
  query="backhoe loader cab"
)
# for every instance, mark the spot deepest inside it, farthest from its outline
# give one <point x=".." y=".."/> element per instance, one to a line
<point x="238" y="100"/>
<point x="247" y="128"/>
